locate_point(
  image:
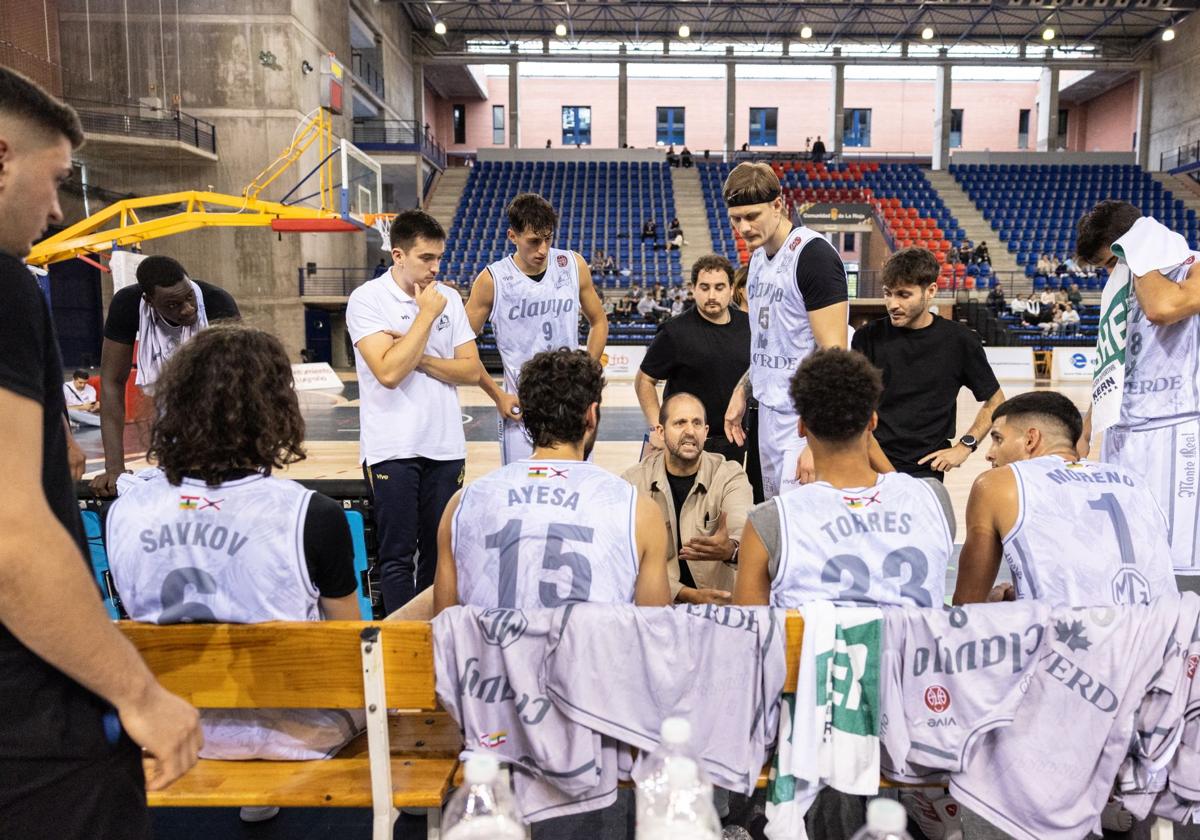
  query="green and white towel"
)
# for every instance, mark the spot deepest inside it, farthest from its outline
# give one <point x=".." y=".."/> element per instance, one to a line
<point x="828" y="729"/>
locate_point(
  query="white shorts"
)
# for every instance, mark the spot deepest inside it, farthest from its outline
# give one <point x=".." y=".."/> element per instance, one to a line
<point x="1168" y="458"/>
<point x="779" y="448"/>
<point x="514" y="443"/>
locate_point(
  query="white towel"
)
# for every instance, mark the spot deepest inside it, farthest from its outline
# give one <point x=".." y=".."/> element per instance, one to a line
<point x="1148" y="246"/>
<point x="157" y="340"/>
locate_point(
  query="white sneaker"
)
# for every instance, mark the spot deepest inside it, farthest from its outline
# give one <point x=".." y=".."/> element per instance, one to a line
<point x="938" y="818"/>
<point x="258" y="814"/>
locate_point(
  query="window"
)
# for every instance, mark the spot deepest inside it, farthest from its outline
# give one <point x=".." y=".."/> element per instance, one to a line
<point x="669" y="126"/>
<point x="1062" y="128"/>
<point x="460" y="124"/>
<point x="497" y="125"/>
<point x="577" y="125"/>
<point x="1023" y="129"/>
<point x="856" y="127"/>
<point x="956" y="115"/>
<point x="848" y="241"/>
<point x="764" y="126"/>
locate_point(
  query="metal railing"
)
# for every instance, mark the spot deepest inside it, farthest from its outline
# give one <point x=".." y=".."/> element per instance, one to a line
<point x="366" y="72"/>
<point x="147" y="122"/>
<point x="1184" y="156"/>
<point x="332" y="281"/>
<point x="405" y="135"/>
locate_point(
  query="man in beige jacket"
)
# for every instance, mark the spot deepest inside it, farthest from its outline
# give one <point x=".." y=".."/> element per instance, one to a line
<point x="703" y="498"/>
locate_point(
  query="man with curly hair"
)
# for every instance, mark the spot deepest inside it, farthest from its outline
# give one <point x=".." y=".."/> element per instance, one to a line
<point x="853" y="535"/>
<point x="533" y="298"/>
<point x="552" y="529"/>
<point x="216" y="537"/>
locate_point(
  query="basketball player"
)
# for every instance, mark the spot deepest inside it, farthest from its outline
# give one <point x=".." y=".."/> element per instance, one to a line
<point x="798" y="302"/>
<point x="552" y="529"/>
<point x="79" y="703"/>
<point x="164" y="309"/>
<point x="1157" y="434"/>
<point x="216" y="537"/>
<point x="853" y="535"/>
<point x="1077" y="533"/>
<point x="533" y="299"/>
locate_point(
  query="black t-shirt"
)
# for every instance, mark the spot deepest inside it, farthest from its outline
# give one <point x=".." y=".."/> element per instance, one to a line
<point x="923" y="371"/>
<point x="821" y="276"/>
<point x="121" y="325"/>
<point x="328" y="548"/>
<point x="681" y="485"/>
<point x="699" y="357"/>
<point x="45" y="713"/>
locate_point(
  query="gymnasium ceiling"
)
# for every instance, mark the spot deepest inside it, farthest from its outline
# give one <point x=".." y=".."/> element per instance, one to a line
<point x="1108" y="30"/>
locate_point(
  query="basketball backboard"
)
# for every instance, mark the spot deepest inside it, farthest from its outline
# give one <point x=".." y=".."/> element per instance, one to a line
<point x="361" y="190"/>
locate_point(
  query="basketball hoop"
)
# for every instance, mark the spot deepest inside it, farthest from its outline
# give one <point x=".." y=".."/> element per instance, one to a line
<point x="382" y="222"/>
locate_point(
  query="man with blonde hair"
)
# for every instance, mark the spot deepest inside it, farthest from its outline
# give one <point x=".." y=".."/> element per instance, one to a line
<point x="798" y="302"/>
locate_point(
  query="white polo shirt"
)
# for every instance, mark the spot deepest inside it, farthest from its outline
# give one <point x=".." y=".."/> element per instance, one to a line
<point x="420" y="417"/>
<point x="74" y="398"/>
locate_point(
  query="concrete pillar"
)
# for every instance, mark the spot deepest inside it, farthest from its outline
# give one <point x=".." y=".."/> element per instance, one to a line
<point x="731" y="144"/>
<point x="838" y="109"/>
<point x="1142" y="146"/>
<point x="1047" y="117"/>
<point x="514" y="105"/>
<point x="622" y="102"/>
<point x="941" y="117"/>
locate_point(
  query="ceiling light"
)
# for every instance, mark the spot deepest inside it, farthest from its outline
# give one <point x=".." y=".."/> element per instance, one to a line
<point x="1168" y="34"/>
<point x="805" y="31"/>
<point x="685" y="31"/>
<point x="927" y="33"/>
<point x="439" y="28"/>
<point x="561" y="30"/>
<point x="1048" y="34"/>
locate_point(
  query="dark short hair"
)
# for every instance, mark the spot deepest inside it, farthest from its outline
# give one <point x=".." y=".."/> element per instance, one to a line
<point x="555" y="388"/>
<point x="80" y="373"/>
<point x="410" y="224"/>
<point x="911" y="267"/>
<point x="1101" y="226"/>
<point x="1045" y="407"/>
<point x="835" y="391"/>
<point x="157" y="271"/>
<point x="531" y="212"/>
<point x="226" y="403"/>
<point x="26" y="100"/>
<point x="712" y="262"/>
<point x="664" y="410"/>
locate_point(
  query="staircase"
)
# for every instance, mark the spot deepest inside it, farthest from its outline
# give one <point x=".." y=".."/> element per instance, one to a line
<point x="447" y="193"/>
<point x="1182" y="187"/>
<point x="972" y="222"/>
<point x="689" y="207"/>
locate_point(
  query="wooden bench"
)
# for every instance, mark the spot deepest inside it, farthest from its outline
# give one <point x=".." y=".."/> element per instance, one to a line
<point x="405" y="762"/>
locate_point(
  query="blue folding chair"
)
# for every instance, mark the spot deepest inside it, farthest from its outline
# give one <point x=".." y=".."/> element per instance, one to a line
<point x="94" y="532"/>
<point x="358" y="537"/>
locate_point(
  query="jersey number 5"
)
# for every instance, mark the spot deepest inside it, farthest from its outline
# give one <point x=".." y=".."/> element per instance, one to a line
<point x="508" y="541"/>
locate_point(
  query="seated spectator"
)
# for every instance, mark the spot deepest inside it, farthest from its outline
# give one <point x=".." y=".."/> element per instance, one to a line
<point x="1051" y="325"/>
<point x="1068" y="320"/>
<point x="965" y="252"/>
<point x="672" y="158"/>
<point x="650" y="231"/>
<point x="1017" y="306"/>
<point x="677" y="304"/>
<point x="674" y="235"/>
<point x="275" y="551"/>
<point x="610" y="306"/>
<point x="1047" y="297"/>
<point x="1074" y="296"/>
<point x="610" y="265"/>
<point x="1045" y="265"/>
<point x="1032" y="313"/>
<point x="82" y="405"/>
<point x="685" y="158"/>
<point x="703" y="498"/>
<point x="981" y="253"/>
<point x="953" y="256"/>
<point x="597" y="263"/>
<point x="995" y="298"/>
<point x="625" y="305"/>
<point x="647" y="308"/>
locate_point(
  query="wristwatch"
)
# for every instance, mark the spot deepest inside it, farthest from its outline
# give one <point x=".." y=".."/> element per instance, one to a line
<point x="733" y="560"/>
<point x="969" y="441"/>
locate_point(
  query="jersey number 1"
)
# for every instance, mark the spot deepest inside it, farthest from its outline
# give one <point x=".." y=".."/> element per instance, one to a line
<point x="508" y="540"/>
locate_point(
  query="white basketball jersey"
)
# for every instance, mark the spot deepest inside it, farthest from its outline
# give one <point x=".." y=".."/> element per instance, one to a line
<point x="780" y="335"/>
<point x="545" y="533"/>
<point x="888" y="544"/>
<point x="1087" y="534"/>
<point x="232" y="553"/>
<point x="1162" y="363"/>
<point x="530" y="316"/>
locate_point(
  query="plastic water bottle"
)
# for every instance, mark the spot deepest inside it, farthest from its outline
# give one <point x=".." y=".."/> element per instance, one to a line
<point x="886" y="820"/>
<point x="482" y="809"/>
<point x="674" y="799"/>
